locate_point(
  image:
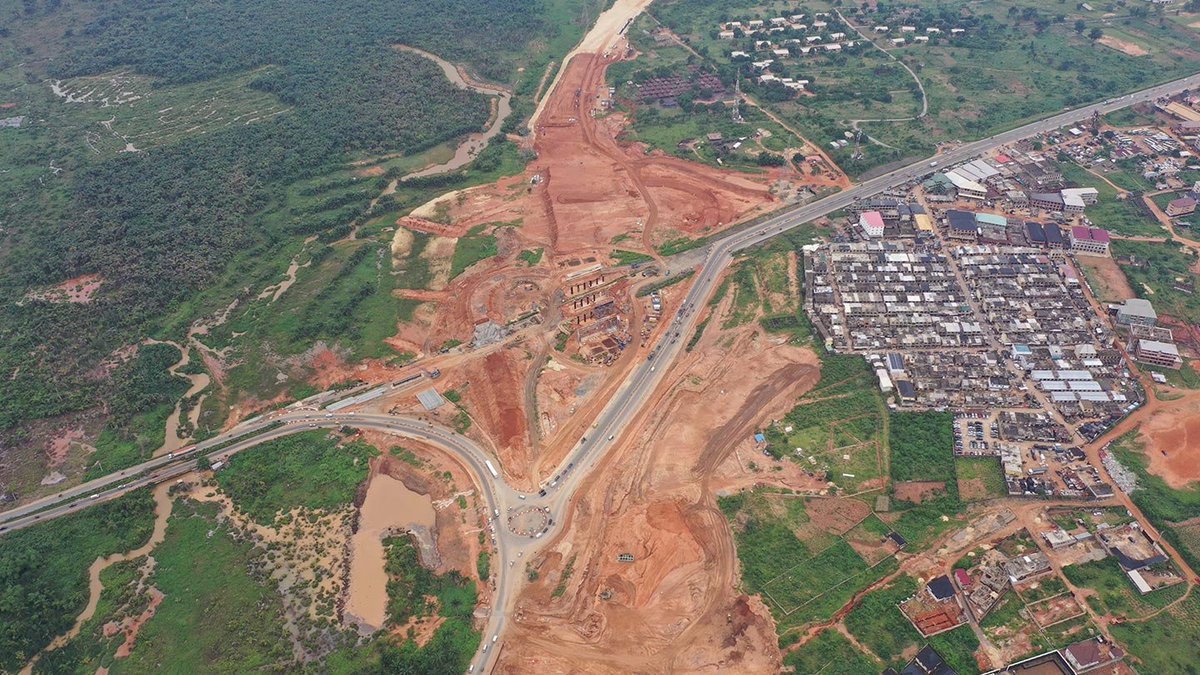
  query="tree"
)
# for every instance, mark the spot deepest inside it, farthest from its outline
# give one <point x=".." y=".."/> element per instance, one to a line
<point x="1095" y="34"/>
<point x="1079" y="26"/>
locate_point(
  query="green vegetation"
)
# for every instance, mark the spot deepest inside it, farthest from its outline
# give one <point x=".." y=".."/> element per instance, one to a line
<point x="1158" y="268"/>
<point x="1117" y="595"/>
<point x="1155" y="646"/>
<point x="1046" y="588"/>
<point x="306" y="470"/>
<point x="250" y="136"/>
<point x="531" y="257"/>
<point x="462" y="422"/>
<point x="143" y="396"/>
<point x="1008" y="46"/>
<point x="678" y="130"/>
<point x="1185" y="377"/>
<point x="829" y="653"/>
<point x="91" y="649"/>
<point x="958" y="647"/>
<point x="665" y="282"/>
<point x="43" y="570"/>
<point x="922" y="447"/>
<point x="410" y="585"/>
<point x="1122" y="216"/>
<point x="624" y="257"/>
<point x="679" y="245"/>
<point x="472" y="248"/>
<point x="836" y="427"/>
<point x="219" y="613"/>
<point x="699" y="333"/>
<point x="803" y="578"/>
<point x="563" y="578"/>
<point x="747" y="297"/>
<point x="985" y="471"/>
<point x="1158" y="501"/>
<point x="880" y="626"/>
<point x="1165" y="507"/>
<point x="483" y="565"/>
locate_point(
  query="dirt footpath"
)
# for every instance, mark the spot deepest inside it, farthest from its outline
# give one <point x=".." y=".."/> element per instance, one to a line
<point x="675" y="607"/>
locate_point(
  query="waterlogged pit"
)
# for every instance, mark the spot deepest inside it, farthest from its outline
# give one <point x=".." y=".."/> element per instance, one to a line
<point x="390" y="507"/>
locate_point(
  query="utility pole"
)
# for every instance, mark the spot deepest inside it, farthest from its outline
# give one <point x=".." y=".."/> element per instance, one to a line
<point x="737" y="98"/>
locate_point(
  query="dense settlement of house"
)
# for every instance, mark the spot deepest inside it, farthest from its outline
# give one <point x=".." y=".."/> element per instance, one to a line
<point x="963" y="294"/>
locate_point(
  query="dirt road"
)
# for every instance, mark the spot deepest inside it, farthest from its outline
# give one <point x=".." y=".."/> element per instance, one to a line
<point x="609" y="27"/>
<point x="675" y="606"/>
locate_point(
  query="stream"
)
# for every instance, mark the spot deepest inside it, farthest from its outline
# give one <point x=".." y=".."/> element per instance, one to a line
<point x="470" y="148"/>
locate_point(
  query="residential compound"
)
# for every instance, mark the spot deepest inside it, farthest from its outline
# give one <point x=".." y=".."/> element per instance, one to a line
<point x="983" y="313"/>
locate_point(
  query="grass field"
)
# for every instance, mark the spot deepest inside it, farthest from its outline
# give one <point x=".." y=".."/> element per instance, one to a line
<point x="310" y="470"/>
<point x="1117" y="595"/>
<point x="804" y="572"/>
<point x="1157" y="646"/>
<point x="830" y="653"/>
<point x="1164" y="264"/>
<point x="984" y="474"/>
<point x="472" y="248"/>
<point x="878" y="624"/>
<point x="218" y="614"/>
<point x="922" y="448"/>
<point x="1121" y="216"/>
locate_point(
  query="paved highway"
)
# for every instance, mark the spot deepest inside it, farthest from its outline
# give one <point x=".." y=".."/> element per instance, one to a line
<point x="610" y="424"/>
<point x="621" y="410"/>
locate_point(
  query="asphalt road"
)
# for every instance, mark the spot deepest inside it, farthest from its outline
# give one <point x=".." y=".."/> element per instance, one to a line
<point x="620" y="411"/>
<point x="610" y="424"/>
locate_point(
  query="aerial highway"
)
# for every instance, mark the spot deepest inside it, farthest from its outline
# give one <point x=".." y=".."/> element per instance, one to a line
<point x="616" y="417"/>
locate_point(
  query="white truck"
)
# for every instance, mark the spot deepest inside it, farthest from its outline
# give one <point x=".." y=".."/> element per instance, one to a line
<point x="491" y="468"/>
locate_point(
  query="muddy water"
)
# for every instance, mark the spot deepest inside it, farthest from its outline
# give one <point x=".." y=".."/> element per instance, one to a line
<point x="389" y="506"/>
<point x="171" y="440"/>
<point x="162" y="512"/>
<point x="273" y="292"/>
<point x="469" y="149"/>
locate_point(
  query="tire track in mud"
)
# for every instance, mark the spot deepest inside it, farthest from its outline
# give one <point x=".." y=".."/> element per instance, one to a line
<point x="726" y="437"/>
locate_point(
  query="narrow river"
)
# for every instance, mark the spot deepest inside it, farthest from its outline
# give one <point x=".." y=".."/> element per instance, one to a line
<point x="470" y="148"/>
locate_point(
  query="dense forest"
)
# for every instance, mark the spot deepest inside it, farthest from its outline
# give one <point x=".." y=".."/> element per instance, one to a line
<point x="159" y="226"/>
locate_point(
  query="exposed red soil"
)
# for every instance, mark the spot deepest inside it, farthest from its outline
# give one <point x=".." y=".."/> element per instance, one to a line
<point x="590" y="188"/>
<point x="1172" y="441"/>
<point x="675" y="607"/>
<point x="59" y="447"/>
<point x="78" y="290"/>
<point x="837" y="515"/>
<point x="918" y="491"/>
<point x="131" y="626"/>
